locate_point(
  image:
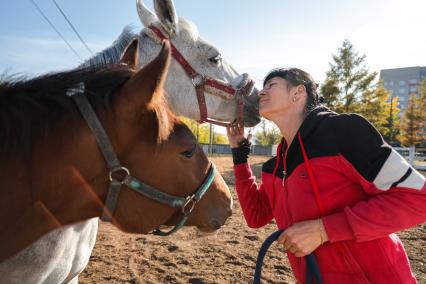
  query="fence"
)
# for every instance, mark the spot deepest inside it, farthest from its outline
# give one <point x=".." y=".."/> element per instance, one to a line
<point x="226" y="149"/>
<point x="415" y="157"/>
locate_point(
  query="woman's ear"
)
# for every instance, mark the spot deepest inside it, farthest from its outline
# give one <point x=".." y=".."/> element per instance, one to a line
<point x="299" y="92"/>
<point x="301" y="89"/>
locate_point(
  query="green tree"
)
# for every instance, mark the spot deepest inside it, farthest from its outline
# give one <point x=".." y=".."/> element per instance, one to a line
<point x="376" y="106"/>
<point x="220" y="138"/>
<point x="413" y="125"/>
<point x="268" y="134"/>
<point x="347" y="80"/>
<point x="192" y="124"/>
<point x="202" y="132"/>
<point x="394" y="121"/>
<point x="422" y="92"/>
<point x="330" y="92"/>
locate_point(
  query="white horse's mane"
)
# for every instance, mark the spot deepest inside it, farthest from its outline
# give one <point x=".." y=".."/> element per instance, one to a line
<point x="113" y="53"/>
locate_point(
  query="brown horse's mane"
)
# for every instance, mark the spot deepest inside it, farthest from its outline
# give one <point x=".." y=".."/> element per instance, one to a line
<point x="29" y="108"/>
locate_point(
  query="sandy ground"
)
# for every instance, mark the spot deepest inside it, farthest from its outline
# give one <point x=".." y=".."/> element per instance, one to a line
<point x="227" y="256"/>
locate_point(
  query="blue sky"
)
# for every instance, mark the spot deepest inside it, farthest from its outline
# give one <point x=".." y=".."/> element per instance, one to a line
<point x="254" y="36"/>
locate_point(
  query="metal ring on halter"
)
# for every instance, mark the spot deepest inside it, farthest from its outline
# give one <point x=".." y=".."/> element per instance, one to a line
<point x="198" y="80"/>
<point x="118" y="169"/>
<point x="191" y="202"/>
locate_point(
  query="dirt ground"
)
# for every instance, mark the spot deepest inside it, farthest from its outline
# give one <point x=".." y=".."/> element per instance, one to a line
<point x="227" y="256"/>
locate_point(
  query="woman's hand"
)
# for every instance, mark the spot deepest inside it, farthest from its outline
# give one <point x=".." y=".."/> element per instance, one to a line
<point x="235" y="135"/>
<point x="304" y="237"/>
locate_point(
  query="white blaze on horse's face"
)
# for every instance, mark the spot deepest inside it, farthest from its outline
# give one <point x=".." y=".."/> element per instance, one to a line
<point x="203" y="58"/>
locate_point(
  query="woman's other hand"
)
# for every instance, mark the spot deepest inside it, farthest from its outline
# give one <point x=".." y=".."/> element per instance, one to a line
<point x="304" y="237"/>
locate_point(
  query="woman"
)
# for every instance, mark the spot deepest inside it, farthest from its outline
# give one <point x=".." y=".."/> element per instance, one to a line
<point x="335" y="187"/>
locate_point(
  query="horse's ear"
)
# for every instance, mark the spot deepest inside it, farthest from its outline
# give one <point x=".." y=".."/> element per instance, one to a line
<point x="145" y="15"/>
<point x="130" y="55"/>
<point x="145" y="88"/>
<point x="166" y="13"/>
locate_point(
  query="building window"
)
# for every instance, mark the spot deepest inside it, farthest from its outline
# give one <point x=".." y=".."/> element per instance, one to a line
<point x="391" y="83"/>
<point x="413" y="81"/>
<point x="402" y="91"/>
<point x="386" y="84"/>
<point x="402" y="83"/>
<point x="413" y="89"/>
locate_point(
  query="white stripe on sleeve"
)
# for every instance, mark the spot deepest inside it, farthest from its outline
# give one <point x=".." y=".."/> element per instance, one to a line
<point x="392" y="171"/>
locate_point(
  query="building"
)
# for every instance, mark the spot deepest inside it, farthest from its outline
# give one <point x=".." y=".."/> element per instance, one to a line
<point x="402" y="82"/>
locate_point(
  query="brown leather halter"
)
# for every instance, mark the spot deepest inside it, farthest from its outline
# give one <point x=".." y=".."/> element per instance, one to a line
<point x="201" y="83"/>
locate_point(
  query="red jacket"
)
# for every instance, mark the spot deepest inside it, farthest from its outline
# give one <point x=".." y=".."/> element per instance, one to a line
<point x="367" y="189"/>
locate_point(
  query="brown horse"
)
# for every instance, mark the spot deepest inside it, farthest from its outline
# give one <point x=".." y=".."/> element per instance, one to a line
<point x="53" y="172"/>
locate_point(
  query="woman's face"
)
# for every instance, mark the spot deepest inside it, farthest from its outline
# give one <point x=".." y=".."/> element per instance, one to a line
<point x="274" y="97"/>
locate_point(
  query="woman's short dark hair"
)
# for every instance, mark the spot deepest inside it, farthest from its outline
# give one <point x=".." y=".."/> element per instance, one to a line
<point x="296" y="77"/>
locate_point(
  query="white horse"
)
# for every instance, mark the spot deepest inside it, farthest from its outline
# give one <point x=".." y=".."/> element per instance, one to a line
<point x="61" y="255"/>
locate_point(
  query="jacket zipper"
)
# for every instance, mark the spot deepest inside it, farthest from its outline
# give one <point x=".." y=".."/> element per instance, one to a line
<point x="284" y="165"/>
<point x="290" y="218"/>
<point x="284" y="159"/>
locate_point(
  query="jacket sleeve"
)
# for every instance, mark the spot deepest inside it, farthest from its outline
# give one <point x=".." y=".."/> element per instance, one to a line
<point x="253" y="198"/>
<point x="396" y="191"/>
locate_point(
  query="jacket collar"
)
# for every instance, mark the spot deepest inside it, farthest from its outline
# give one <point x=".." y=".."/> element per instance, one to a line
<point x="314" y="117"/>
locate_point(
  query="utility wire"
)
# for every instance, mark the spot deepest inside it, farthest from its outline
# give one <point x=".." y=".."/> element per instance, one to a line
<point x="56" y="30"/>
<point x="72" y="26"/>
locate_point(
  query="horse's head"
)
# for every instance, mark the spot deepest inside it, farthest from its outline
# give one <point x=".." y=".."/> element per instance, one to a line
<point x="220" y="79"/>
<point x="160" y="151"/>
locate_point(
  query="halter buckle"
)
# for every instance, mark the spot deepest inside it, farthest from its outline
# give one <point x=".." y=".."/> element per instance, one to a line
<point x="118" y="174"/>
<point x="198" y="80"/>
<point x="189" y="205"/>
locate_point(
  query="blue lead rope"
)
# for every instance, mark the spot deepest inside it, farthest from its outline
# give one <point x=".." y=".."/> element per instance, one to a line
<point x="312" y="269"/>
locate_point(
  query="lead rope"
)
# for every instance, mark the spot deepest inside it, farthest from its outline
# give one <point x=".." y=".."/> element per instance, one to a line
<point x="312" y="269"/>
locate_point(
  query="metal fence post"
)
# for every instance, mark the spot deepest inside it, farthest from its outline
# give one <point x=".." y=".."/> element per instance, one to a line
<point x="412" y="155"/>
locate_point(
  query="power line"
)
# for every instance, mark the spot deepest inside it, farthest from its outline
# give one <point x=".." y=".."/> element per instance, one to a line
<point x="72" y="26"/>
<point x="56" y="30"/>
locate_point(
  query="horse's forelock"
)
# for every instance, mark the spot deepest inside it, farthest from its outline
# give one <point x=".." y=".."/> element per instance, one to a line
<point x="165" y="118"/>
<point x="189" y="29"/>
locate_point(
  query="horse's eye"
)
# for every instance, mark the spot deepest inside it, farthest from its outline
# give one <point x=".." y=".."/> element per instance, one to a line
<point x="188" y="153"/>
<point x="216" y="59"/>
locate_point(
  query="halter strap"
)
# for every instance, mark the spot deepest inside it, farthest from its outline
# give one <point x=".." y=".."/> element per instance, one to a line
<point x="202" y="83"/>
<point x="107" y="151"/>
<point x="227" y="88"/>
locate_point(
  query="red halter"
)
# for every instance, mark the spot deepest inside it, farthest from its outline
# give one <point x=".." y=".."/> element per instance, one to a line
<point x="202" y="82"/>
